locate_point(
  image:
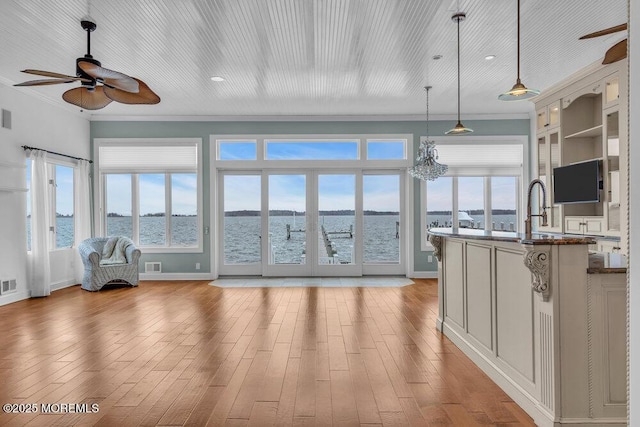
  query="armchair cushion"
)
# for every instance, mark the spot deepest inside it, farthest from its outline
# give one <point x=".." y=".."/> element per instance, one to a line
<point x="97" y="275"/>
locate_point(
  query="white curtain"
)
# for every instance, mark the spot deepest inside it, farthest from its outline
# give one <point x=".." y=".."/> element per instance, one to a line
<point x="39" y="268"/>
<point x="82" y="212"/>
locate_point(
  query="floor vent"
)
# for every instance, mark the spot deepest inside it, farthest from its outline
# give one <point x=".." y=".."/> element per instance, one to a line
<point x="9" y="286"/>
<point x="153" y="267"/>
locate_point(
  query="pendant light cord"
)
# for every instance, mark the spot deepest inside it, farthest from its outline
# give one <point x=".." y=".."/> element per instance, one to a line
<point x="427" y="89"/>
<point x="518" y="40"/>
<point x="458" y="22"/>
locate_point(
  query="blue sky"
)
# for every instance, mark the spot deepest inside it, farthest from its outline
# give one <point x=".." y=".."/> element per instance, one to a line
<point x="152" y="194"/>
<point x="288" y="192"/>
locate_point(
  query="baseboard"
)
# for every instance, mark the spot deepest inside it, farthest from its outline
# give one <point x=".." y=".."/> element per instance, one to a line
<point x="15" y="297"/>
<point x="63" y="284"/>
<point x="423" y="275"/>
<point x="176" y="276"/>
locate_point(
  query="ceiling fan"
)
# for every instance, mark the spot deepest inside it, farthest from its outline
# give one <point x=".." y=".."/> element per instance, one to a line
<point x="616" y="52"/>
<point x="99" y="86"/>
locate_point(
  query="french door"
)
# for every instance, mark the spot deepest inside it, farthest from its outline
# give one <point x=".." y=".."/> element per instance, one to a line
<point x="311" y="223"/>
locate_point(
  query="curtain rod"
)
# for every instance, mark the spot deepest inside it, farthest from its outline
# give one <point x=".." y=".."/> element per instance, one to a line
<point x="26" y="147"/>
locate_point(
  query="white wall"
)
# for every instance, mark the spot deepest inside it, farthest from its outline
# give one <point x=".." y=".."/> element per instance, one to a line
<point x="38" y="124"/>
<point x="634" y="207"/>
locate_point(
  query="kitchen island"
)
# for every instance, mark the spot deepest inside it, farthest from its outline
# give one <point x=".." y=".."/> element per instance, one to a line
<point x="526" y="310"/>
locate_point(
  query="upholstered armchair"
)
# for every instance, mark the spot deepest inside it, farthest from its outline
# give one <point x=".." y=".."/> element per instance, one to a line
<point x="97" y="274"/>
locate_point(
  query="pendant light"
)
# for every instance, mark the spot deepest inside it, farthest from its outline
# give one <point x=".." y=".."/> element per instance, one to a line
<point x="459" y="128"/>
<point x="426" y="167"/>
<point x="519" y="91"/>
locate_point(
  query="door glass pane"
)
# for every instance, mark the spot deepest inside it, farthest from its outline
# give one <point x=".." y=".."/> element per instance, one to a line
<point x="287" y="220"/>
<point x="336" y="218"/>
<point x="504" y="192"/>
<point x="152" y="209"/>
<point x="439" y="202"/>
<point x="242" y="225"/>
<point x="554" y="113"/>
<point x="64" y="206"/>
<point x="471" y="202"/>
<point x="381" y="205"/>
<point x="554" y="215"/>
<point x="118" y="193"/>
<point x="613" y="170"/>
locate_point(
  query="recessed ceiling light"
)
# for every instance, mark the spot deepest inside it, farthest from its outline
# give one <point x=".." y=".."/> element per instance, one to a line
<point x="217" y="79"/>
<point x="490" y="57"/>
<point x="436" y="57"/>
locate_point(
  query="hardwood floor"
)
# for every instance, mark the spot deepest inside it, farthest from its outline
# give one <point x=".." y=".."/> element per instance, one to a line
<point x="186" y="353"/>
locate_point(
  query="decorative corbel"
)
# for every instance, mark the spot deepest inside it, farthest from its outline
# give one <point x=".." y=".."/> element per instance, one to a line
<point x="537" y="261"/>
<point x="436" y="242"/>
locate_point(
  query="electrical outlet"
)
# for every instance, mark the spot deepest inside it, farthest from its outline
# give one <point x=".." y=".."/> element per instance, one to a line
<point x="197" y="266"/>
<point x="430" y="258"/>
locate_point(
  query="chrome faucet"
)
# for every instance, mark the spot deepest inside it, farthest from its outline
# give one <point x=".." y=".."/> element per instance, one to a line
<point x="527" y="222"/>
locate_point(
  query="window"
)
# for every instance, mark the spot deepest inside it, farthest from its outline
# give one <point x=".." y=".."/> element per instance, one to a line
<point x="63" y="190"/>
<point x="481" y="189"/>
<point x="62" y="204"/>
<point x="311" y="150"/>
<point x="385" y="150"/>
<point x="152" y="193"/>
<point x="237" y="150"/>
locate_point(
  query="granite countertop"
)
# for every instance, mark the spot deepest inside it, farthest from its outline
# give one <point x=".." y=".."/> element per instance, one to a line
<point x="606" y="263"/>
<point x="509" y="236"/>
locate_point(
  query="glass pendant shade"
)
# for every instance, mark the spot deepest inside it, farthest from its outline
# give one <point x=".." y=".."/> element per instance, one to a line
<point x="519" y="91"/>
<point x="459" y="128"/>
<point x="427" y="168"/>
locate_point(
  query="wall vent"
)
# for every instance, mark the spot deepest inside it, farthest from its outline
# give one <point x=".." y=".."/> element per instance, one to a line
<point x="153" y="267"/>
<point x="8" y="286"/>
<point x="6" y="119"/>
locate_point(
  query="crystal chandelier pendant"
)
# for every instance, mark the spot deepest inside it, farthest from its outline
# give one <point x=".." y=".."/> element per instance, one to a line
<point x="427" y="168"/>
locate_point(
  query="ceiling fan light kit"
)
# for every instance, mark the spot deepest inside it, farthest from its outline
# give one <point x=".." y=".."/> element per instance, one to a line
<point x="519" y="91"/>
<point x="459" y="128"/>
<point x="99" y="86"/>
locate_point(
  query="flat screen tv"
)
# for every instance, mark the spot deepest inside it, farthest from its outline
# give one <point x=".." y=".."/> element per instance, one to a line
<point x="577" y="183"/>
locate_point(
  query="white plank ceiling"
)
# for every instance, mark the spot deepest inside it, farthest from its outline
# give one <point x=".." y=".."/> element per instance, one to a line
<point x="308" y="57"/>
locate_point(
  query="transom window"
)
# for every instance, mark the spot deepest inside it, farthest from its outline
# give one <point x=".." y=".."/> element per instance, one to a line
<point x="317" y="148"/>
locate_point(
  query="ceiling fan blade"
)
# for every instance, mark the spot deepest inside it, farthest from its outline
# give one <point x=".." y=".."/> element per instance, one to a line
<point x="615" y="53"/>
<point x="51" y="74"/>
<point x="109" y="77"/>
<point x="47" y="82"/>
<point x="84" y="98"/>
<point x="144" y="96"/>
<point x="604" y="32"/>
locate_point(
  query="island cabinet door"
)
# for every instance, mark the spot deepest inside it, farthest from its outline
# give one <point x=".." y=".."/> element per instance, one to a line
<point x="479" y="292"/>
<point x="453" y="274"/>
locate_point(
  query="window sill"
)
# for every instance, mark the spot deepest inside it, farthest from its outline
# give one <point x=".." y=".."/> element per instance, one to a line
<point x="169" y="250"/>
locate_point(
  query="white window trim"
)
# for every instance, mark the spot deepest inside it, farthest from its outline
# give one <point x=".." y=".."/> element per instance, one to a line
<point x="360" y="163"/>
<point x="521" y="173"/>
<point x="100" y="195"/>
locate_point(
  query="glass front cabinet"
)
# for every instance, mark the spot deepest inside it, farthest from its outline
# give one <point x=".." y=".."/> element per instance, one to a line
<point x="586" y="120"/>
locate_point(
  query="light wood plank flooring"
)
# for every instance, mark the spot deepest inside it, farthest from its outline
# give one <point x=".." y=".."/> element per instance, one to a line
<point x="187" y="353"/>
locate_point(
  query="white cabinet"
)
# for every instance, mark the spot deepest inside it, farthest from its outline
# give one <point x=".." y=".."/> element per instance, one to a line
<point x="589" y="225"/>
<point x="590" y="124"/>
<point x="549" y="157"/>
<point x="548" y="116"/>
